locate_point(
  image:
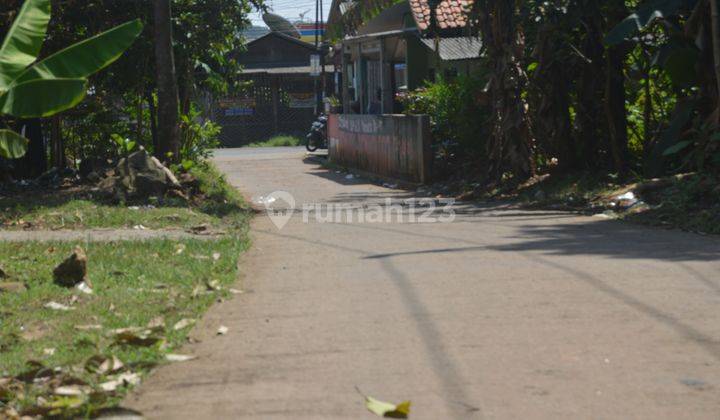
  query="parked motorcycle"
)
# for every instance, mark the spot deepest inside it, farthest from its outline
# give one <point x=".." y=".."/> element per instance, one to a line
<point x="317" y="138"/>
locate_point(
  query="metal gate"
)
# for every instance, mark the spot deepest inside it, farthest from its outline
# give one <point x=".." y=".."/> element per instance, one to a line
<point x="271" y="105"/>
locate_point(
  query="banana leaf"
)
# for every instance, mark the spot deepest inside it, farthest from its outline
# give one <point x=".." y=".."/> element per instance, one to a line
<point x="12" y="144"/>
<point x="23" y="41"/>
<point x="42" y="98"/>
<point x="87" y="57"/>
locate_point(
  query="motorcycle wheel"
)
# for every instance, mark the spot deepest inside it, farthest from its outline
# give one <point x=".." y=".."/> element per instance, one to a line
<point x="310" y="146"/>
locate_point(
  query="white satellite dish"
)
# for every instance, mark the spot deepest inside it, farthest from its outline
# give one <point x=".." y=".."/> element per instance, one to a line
<point x="278" y="23"/>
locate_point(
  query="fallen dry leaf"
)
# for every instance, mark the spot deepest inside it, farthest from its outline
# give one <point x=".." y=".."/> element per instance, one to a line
<point x="183" y="323"/>
<point x="384" y="409"/>
<point x="180" y="249"/>
<point x="49" y="352"/>
<point x="236" y="291"/>
<point x="118" y="413"/>
<point x="179" y="358"/>
<point x="34" y="370"/>
<point x="197" y="291"/>
<point x="55" y="406"/>
<point x="157" y="323"/>
<point x="9" y="388"/>
<point x="84" y="288"/>
<point x="88" y="327"/>
<point x="72" y="390"/>
<point x="216" y="256"/>
<point x="103" y="365"/>
<point x="213" y="286"/>
<point x="135" y="337"/>
<point x="122" y="380"/>
<point x="57" y="306"/>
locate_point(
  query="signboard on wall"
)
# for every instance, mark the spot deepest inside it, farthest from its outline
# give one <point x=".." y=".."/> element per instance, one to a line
<point x="315" y="65"/>
<point x="239" y="112"/>
<point x="370" y="47"/>
<point x="237" y="107"/>
<point x="301" y="100"/>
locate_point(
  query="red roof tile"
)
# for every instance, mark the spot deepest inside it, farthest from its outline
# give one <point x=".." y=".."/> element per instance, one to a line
<point x="450" y="13"/>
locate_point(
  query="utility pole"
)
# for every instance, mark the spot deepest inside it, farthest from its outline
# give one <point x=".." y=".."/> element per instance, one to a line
<point x="318" y="92"/>
<point x="321" y="33"/>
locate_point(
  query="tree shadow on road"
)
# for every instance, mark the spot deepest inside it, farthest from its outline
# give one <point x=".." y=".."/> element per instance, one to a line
<point x="612" y="239"/>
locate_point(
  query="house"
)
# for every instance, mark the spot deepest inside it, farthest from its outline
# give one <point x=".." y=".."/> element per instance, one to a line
<point x="398" y="50"/>
<point x="279" y="95"/>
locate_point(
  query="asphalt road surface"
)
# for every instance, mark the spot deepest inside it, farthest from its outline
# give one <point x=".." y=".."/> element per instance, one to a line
<point x="501" y="314"/>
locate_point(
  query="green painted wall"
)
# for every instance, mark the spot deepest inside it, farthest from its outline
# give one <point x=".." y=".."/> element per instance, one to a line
<point x="417" y="63"/>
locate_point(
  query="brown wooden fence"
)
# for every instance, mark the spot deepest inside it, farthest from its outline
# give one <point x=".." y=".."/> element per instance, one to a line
<point x="390" y="146"/>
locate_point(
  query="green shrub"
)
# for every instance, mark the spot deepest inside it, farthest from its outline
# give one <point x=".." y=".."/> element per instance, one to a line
<point x="456" y="112"/>
<point x="199" y="137"/>
<point x="278" y="141"/>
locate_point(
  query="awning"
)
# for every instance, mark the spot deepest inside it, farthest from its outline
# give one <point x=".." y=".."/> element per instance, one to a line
<point x="287" y="70"/>
<point x="460" y="48"/>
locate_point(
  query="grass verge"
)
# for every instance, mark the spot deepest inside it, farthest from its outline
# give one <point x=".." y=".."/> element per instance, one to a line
<point x="689" y="202"/>
<point x="145" y="288"/>
<point x="69" y="354"/>
<point x="278" y="141"/>
<point x="216" y="204"/>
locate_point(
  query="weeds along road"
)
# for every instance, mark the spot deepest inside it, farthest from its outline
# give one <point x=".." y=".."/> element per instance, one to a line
<point x="501" y="314"/>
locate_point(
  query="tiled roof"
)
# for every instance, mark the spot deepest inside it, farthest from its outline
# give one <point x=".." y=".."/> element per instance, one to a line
<point x="450" y="13"/>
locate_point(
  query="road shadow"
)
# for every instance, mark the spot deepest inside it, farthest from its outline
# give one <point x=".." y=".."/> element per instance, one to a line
<point x="548" y="232"/>
<point x="611" y="238"/>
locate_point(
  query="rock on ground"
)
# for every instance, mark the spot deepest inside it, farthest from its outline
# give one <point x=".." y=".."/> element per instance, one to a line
<point x="140" y="176"/>
<point x="73" y="270"/>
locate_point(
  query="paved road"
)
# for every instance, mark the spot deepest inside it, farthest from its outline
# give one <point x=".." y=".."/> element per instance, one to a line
<point x="502" y="314"/>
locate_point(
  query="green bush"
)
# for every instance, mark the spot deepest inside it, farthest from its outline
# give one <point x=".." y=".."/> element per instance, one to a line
<point x="278" y="141"/>
<point x="456" y="112"/>
<point x="199" y="137"/>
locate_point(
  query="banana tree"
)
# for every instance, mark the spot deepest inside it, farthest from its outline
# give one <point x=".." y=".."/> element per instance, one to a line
<point x="34" y="89"/>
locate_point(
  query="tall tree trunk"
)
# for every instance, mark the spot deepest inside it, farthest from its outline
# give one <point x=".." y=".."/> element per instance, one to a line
<point x="551" y="84"/>
<point x="511" y="143"/>
<point x="615" y="110"/>
<point x="715" y="16"/>
<point x="589" y="123"/>
<point x="168" y="120"/>
<point x="34" y="163"/>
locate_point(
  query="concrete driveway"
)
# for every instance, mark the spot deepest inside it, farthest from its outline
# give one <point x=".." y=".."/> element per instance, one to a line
<point x="501" y="314"/>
